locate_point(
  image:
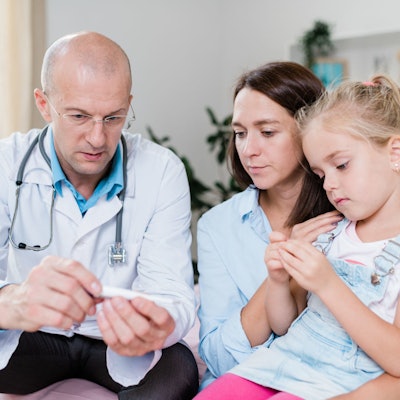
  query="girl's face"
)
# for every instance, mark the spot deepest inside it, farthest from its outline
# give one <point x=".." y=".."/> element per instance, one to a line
<point x="358" y="175"/>
<point x="265" y="140"/>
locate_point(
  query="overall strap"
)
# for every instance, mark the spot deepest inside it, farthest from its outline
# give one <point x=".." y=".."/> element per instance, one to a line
<point x="324" y="240"/>
<point x="386" y="260"/>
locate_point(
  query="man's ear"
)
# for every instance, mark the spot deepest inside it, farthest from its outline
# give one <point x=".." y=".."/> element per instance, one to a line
<point x="42" y="104"/>
<point x="394" y="152"/>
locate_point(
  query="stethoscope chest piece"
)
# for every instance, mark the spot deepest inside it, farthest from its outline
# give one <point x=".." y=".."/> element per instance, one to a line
<point x="116" y="255"/>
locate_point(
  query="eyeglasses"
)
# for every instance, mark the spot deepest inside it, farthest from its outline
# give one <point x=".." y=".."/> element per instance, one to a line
<point x="86" y="121"/>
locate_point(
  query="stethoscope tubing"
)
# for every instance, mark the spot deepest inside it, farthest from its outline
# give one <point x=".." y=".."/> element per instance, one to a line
<point x="39" y="140"/>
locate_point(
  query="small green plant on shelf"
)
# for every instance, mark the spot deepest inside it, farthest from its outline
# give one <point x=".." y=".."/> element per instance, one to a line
<point x="316" y="42"/>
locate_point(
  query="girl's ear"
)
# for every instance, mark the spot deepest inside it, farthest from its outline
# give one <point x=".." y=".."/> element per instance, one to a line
<point x="394" y="152"/>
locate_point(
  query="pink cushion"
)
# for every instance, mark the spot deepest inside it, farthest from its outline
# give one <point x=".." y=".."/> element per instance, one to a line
<point x="192" y="339"/>
<point x="70" y="389"/>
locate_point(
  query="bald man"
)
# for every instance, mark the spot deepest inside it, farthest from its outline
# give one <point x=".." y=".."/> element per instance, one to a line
<point x="87" y="208"/>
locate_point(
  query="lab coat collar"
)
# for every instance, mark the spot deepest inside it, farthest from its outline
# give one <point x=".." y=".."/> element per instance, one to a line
<point x="37" y="171"/>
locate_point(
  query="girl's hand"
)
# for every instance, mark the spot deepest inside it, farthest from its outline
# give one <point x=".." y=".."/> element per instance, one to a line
<point x="308" y="266"/>
<point x="309" y="230"/>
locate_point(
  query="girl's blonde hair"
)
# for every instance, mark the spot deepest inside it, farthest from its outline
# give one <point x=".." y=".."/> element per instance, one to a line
<point x="370" y="110"/>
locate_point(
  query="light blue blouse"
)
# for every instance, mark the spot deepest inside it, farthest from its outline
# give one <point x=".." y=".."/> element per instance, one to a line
<point x="232" y="238"/>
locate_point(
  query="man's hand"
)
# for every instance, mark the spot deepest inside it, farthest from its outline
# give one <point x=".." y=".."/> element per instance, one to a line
<point x="134" y="327"/>
<point x="58" y="292"/>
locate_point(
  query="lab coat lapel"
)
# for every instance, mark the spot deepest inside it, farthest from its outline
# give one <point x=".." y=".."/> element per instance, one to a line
<point x="103" y="211"/>
<point x="96" y="216"/>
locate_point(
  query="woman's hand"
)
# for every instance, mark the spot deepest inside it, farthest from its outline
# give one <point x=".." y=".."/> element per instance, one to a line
<point x="310" y="229"/>
<point x="272" y="258"/>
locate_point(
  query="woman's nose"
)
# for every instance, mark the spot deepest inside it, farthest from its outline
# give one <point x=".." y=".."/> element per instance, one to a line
<point x="251" y="145"/>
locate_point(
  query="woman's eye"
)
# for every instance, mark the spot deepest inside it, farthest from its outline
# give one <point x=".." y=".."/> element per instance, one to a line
<point x="239" y="134"/>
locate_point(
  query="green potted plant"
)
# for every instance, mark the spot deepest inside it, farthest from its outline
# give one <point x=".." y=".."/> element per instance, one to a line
<point x="316" y="42"/>
<point x="218" y="143"/>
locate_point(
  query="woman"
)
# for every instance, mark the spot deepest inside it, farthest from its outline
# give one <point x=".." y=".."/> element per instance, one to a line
<point x="265" y="158"/>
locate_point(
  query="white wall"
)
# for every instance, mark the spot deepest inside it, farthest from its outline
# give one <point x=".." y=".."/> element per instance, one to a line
<point x="187" y="54"/>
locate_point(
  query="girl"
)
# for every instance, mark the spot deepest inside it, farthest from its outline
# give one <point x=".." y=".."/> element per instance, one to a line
<point x="349" y="333"/>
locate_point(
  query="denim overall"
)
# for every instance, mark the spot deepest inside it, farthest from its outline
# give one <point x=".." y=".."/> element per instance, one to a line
<point x="317" y="359"/>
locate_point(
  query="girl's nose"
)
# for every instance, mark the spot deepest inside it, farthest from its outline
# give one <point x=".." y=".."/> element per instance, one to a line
<point x="329" y="183"/>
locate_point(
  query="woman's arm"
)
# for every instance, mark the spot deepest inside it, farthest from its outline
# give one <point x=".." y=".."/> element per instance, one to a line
<point x="225" y="313"/>
<point x="254" y="317"/>
<point x="280" y="304"/>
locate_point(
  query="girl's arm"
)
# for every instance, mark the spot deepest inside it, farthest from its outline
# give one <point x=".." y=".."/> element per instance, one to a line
<point x="378" y="338"/>
<point x="385" y="387"/>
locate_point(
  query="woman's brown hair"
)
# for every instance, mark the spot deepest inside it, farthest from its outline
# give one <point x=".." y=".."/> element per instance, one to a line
<point x="292" y="86"/>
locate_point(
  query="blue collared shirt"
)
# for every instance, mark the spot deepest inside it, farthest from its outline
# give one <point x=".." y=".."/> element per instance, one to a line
<point x="110" y="185"/>
<point x="231" y="240"/>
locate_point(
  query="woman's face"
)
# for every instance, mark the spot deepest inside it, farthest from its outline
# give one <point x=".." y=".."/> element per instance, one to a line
<point x="265" y="140"/>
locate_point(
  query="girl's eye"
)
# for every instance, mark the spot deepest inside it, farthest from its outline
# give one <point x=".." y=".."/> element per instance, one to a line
<point x="267" y="133"/>
<point x="342" y="166"/>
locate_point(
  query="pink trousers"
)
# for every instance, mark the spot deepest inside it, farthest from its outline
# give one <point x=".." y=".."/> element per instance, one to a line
<point x="234" y="387"/>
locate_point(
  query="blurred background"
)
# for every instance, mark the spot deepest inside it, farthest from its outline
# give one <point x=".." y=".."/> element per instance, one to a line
<point x="186" y="56"/>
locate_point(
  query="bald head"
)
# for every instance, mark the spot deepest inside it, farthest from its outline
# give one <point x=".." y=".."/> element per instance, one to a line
<point x="88" y="50"/>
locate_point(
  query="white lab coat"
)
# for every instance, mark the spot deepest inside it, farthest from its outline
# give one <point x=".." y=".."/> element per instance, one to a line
<point x="155" y="233"/>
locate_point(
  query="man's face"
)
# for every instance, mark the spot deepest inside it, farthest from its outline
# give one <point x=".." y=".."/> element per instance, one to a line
<point x="86" y="149"/>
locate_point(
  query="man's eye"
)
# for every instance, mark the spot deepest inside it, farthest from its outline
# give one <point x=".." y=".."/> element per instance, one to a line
<point x="78" y="117"/>
<point x="114" y="119"/>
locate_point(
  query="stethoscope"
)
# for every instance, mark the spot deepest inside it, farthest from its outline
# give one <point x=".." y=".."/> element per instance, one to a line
<point x="116" y="251"/>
